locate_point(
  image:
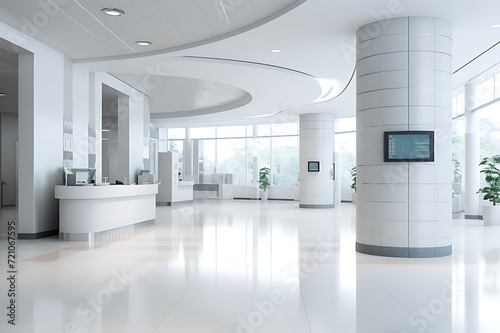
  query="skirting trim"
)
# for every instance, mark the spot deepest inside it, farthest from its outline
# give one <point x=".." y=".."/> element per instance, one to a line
<point x="316" y="206"/>
<point x="404" y="252"/>
<point x="38" y="234"/>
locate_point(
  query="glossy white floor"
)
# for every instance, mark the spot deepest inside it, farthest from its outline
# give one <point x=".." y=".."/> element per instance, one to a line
<point x="246" y="266"/>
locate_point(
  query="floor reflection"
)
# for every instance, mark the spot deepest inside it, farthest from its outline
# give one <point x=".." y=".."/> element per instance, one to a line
<point x="243" y="266"/>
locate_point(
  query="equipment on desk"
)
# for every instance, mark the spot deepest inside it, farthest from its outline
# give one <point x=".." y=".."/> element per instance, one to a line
<point x="143" y="177"/>
<point x="80" y="177"/>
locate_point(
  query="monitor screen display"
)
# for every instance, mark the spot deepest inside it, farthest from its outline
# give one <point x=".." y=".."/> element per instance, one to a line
<point x="409" y="146"/>
<point x="313" y="166"/>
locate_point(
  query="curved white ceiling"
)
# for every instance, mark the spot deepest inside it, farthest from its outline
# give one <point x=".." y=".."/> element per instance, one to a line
<point x="316" y="37"/>
<point x="79" y="28"/>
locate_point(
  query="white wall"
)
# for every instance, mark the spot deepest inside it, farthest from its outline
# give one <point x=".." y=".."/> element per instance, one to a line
<point x="9" y="133"/>
<point x="41" y="100"/>
<point x="87" y="103"/>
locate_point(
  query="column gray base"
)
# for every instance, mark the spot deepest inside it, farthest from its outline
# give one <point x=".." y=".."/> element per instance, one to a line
<point x="164" y="203"/>
<point x="473" y="217"/>
<point x="404" y="252"/>
<point x="316" y="206"/>
<point x="38" y="235"/>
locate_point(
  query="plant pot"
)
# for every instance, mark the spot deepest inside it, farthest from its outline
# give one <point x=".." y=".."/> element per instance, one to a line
<point x="354" y="197"/>
<point x="491" y="215"/>
<point x="264" y="195"/>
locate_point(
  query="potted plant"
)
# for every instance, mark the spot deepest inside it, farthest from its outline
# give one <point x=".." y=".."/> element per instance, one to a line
<point x="353" y="185"/>
<point x="264" y="182"/>
<point x="490" y="168"/>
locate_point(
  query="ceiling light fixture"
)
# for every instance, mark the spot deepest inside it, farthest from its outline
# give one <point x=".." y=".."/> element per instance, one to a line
<point x="143" y="42"/>
<point x="2" y="94"/>
<point x="112" y="11"/>
<point x="275" y="51"/>
<point x="495" y="26"/>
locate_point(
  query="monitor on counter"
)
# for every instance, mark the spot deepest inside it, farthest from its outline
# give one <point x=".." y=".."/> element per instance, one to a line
<point x="80" y="176"/>
<point x="409" y="146"/>
<point x="143" y="177"/>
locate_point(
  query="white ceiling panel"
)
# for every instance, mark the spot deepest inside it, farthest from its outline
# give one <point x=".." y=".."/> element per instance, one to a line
<point x="262" y="8"/>
<point x="186" y="18"/>
<point x="158" y="31"/>
<point x="79" y="29"/>
<point x="183" y="94"/>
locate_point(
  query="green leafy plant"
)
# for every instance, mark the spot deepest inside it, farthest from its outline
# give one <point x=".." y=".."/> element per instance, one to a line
<point x="490" y="168"/>
<point x="353" y="178"/>
<point x="264" y="178"/>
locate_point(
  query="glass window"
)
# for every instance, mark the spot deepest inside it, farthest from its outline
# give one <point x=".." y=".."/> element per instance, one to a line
<point x="177" y="133"/>
<point x="162" y="134"/>
<point x="231" y="132"/>
<point x="497" y="85"/>
<point x="231" y="158"/>
<point x="454" y="106"/>
<point x="264" y="130"/>
<point x="249" y="131"/>
<point x="285" y="168"/>
<point x="203" y="133"/>
<point x="263" y="148"/>
<point x="207" y="163"/>
<point x="346" y="146"/>
<point x="285" y="129"/>
<point x="485" y="91"/>
<point x="489" y="129"/>
<point x="460" y="104"/>
<point x="345" y="124"/>
<point x="458" y="146"/>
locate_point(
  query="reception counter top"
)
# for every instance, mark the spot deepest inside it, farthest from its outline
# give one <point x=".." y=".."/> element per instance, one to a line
<point x="91" y="209"/>
<point x="104" y="192"/>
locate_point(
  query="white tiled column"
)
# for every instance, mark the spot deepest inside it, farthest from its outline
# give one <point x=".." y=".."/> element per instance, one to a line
<point x="403" y="84"/>
<point x="317" y="144"/>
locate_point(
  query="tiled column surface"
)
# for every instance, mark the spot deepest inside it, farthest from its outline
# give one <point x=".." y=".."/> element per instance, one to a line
<point x="403" y="84"/>
<point x="316" y="144"/>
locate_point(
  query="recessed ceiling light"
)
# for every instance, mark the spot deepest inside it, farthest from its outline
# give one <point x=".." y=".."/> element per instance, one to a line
<point x="113" y="11"/>
<point x="143" y="42"/>
<point x="275" y="51"/>
<point x="2" y="94"/>
<point x="495" y="26"/>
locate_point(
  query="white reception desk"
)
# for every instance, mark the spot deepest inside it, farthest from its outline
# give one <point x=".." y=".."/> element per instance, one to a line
<point x="91" y="209"/>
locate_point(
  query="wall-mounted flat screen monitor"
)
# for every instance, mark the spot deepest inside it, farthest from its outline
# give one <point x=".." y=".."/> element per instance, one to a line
<point x="409" y="146"/>
<point x="313" y="166"/>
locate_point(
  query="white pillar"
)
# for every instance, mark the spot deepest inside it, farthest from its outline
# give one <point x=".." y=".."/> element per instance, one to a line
<point x="472" y="149"/>
<point x="188" y="155"/>
<point x="404" y="84"/>
<point x="317" y="132"/>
